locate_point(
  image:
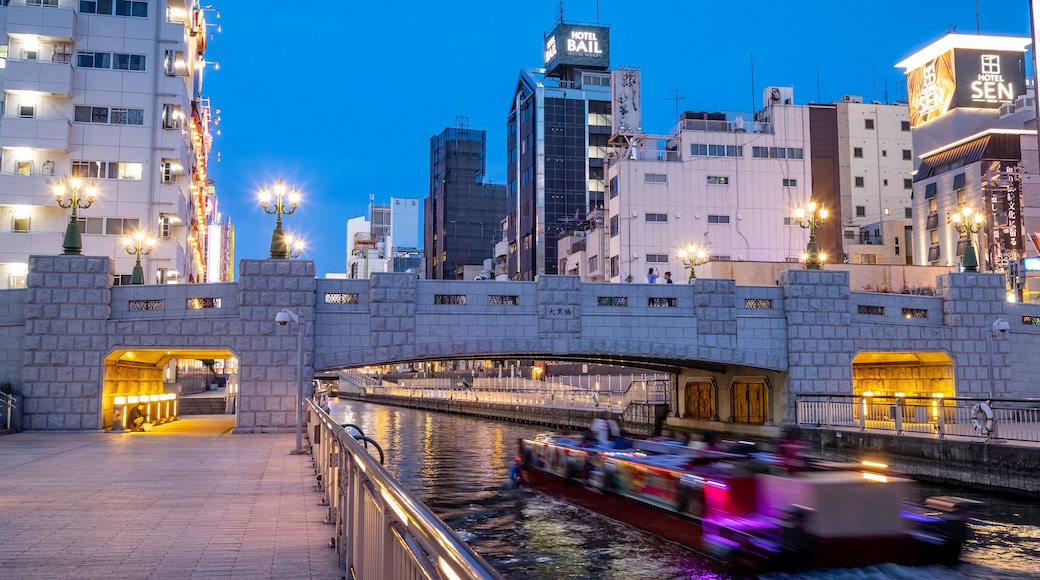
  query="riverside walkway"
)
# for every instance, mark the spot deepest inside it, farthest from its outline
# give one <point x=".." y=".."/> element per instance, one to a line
<point x="185" y="500"/>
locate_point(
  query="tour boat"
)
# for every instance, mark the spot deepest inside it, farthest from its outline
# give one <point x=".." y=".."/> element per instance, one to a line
<point x="747" y="509"/>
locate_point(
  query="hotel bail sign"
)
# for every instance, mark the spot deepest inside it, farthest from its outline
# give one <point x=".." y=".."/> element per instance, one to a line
<point x="570" y="45"/>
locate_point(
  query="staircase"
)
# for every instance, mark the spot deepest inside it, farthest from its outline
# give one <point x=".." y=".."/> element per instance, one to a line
<point x="200" y="406"/>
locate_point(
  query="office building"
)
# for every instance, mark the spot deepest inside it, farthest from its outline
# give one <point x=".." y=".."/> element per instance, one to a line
<point x="385" y="240"/>
<point x="559" y="127"/>
<point x="109" y="95"/>
<point x="463" y="212"/>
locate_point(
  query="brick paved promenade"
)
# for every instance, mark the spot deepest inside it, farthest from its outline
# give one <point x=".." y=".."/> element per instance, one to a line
<point x="186" y="500"/>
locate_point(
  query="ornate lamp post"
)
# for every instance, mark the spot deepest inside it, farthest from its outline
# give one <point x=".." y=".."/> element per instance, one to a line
<point x="967" y="225"/>
<point x="692" y="256"/>
<point x="293" y="245"/>
<point x="279" y="248"/>
<point x="138" y="245"/>
<point x="73" y="245"/>
<point x="812" y="217"/>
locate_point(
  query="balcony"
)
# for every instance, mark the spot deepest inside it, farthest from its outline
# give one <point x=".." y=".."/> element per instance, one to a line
<point x="36" y="132"/>
<point x="56" y="23"/>
<point x="39" y="76"/>
<point x="33" y="189"/>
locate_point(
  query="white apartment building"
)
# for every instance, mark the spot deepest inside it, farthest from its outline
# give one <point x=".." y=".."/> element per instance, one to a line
<point x="109" y="92"/>
<point x="386" y="241"/>
<point x="723" y="181"/>
<point x="875" y="181"/>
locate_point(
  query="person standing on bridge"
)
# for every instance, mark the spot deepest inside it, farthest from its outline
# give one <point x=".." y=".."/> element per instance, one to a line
<point x="651" y="277"/>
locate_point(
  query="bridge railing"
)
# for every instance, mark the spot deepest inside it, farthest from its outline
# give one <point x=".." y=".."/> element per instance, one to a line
<point x="1012" y="419"/>
<point x="382" y="531"/>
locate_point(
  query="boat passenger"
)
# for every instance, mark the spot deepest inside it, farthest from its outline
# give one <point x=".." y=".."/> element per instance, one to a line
<point x="605" y="429"/>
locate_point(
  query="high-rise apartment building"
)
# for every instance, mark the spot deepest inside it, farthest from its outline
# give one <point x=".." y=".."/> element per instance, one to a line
<point x="973" y="123"/>
<point x="463" y="213"/>
<point x="862" y="167"/>
<point x="559" y="128"/>
<point x="108" y="94"/>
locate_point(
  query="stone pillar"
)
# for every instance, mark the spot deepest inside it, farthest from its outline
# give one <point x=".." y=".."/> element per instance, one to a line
<point x="267" y="367"/>
<point x="558" y="300"/>
<point x="69" y="301"/>
<point x="392" y="312"/>
<point x="816" y="305"/>
<point x="972" y="302"/>
<point x="714" y="304"/>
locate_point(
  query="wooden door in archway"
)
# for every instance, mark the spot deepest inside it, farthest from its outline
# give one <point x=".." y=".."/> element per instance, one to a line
<point x="750" y="403"/>
<point x="700" y="400"/>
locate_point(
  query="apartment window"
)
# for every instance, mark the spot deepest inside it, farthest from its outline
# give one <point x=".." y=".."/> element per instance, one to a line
<point x="135" y="8"/>
<point x="614" y="226"/>
<point x="718" y="180"/>
<point x="861" y="211"/>
<point x="107" y="60"/>
<point x="16" y="280"/>
<point x="657" y="217"/>
<point x="933" y="254"/>
<point x="128" y="61"/>
<point x="108" y="170"/>
<point x="27" y="111"/>
<point x="105" y="115"/>
<point x="718" y="219"/>
<point x="777" y="152"/>
<point x="613" y="187"/>
<point x="655" y="178"/>
<point x="20" y="224"/>
<point x="594" y="264"/>
<point x="30" y="55"/>
<point x="857" y="152"/>
<point x="932" y="222"/>
<point x="790" y="183"/>
<point x="165" y="228"/>
<point x="933" y="205"/>
<point x="615" y="266"/>
<point x="859" y="182"/>
<point x="905" y="126"/>
<point x="958" y="181"/>
<point x="126" y="117"/>
<point x="933" y="236"/>
<point x="706" y="150"/>
<point x="23" y="167"/>
<point x="868" y="124"/>
<point x="930" y="190"/>
<point x="657" y="258"/>
<point x="39" y="2"/>
<point x="121" y="226"/>
<point x="907" y="155"/>
<point x="908" y="213"/>
<point x="908" y="183"/>
<point x="93" y="226"/>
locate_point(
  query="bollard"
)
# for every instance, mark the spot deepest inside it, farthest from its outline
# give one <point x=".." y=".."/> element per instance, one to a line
<point x="118" y="415"/>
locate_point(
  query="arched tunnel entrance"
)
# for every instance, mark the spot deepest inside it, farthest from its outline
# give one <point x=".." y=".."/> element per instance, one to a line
<point x="164" y="381"/>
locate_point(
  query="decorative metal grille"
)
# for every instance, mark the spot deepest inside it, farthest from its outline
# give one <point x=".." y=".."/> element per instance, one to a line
<point x="758" y="303"/>
<point x="915" y="313"/>
<point x="662" y="303"/>
<point x="139" y="305"/>
<point x="500" y="300"/>
<point x="872" y="310"/>
<point x="340" y="298"/>
<point x="200" y="303"/>
<point x="457" y="299"/>
<point x="1031" y="320"/>
<point x="612" y="301"/>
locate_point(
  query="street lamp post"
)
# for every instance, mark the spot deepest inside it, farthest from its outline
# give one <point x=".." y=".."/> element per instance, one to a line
<point x="815" y="219"/>
<point x="966" y="225"/>
<point x="73" y="245"/>
<point x="279" y="248"/>
<point x="692" y="256"/>
<point x="283" y="318"/>
<point x="138" y="245"/>
<point x="293" y="245"/>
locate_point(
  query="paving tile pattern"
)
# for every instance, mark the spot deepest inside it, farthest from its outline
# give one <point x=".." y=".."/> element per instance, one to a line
<point x="185" y="500"/>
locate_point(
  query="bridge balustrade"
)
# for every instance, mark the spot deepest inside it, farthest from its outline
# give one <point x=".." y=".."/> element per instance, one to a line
<point x="889" y="308"/>
<point x="165" y="301"/>
<point x="381" y="530"/>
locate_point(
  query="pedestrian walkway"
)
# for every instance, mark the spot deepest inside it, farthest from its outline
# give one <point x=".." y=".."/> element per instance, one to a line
<point x="185" y="500"/>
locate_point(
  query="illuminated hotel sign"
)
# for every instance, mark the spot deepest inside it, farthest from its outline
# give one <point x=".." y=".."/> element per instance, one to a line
<point x="577" y="45"/>
<point x="959" y="71"/>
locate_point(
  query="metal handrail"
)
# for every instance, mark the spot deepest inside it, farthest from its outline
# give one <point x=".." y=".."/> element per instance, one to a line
<point x="1011" y="419"/>
<point x="382" y="531"/>
<point x="8" y="401"/>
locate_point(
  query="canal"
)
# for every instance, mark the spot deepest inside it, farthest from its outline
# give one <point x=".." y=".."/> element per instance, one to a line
<point x="459" y="467"/>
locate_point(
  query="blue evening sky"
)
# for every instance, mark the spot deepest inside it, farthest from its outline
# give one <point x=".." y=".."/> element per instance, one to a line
<point x="340" y="98"/>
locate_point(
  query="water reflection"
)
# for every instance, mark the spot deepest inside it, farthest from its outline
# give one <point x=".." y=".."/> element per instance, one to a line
<point x="459" y="467"/>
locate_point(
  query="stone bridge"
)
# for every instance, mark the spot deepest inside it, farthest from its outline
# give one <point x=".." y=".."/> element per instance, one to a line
<point x="74" y="342"/>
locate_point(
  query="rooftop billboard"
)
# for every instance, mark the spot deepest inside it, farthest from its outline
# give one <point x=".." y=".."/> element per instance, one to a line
<point x="965" y="78"/>
<point x="577" y="45"/>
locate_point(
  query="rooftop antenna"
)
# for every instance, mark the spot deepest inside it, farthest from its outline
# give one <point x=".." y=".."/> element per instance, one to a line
<point x="561" y="11"/>
<point x="597" y="9"/>
<point x="978" y="27"/>
<point x="676" y="96"/>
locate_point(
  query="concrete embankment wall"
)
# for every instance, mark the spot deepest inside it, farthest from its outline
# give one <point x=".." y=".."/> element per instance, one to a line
<point x="990" y="466"/>
<point x="638" y="419"/>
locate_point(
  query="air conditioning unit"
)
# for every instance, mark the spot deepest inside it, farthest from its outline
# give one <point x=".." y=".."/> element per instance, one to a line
<point x="852" y="99"/>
